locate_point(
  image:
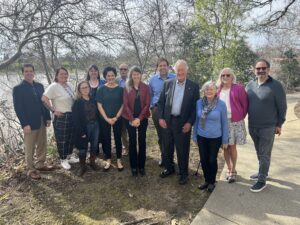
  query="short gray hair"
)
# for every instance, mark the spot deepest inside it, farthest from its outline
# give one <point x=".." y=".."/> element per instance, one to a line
<point x="207" y="84"/>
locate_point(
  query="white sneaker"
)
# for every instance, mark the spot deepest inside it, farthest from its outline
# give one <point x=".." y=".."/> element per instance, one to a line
<point x="65" y="164"/>
<point x="73" y="159"/>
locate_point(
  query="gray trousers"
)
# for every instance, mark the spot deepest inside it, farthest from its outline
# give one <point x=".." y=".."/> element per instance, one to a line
<point x="263" y="139"/>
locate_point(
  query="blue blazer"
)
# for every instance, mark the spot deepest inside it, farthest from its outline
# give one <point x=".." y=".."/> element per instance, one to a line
<point x="28" y="104"/>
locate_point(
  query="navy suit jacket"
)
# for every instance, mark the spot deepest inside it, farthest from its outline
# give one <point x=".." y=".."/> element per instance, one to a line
<point x="188" y="107"/>
<point x="28" y="104"/>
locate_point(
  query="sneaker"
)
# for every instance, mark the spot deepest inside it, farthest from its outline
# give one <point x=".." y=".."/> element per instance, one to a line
<point x="65" y="164"/>
<point x="73" y="159"/>
<point x="258" y="186"/>
<point x="255" y="177"/>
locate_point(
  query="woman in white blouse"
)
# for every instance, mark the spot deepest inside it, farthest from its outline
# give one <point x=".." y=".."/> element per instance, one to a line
<point x="59" y="98"/>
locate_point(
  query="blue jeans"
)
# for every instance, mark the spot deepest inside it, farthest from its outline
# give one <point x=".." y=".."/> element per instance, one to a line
<point x="92" y="135"/>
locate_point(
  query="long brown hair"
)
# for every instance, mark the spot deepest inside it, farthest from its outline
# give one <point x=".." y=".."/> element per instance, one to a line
<point x="129" y="82"/>
<point x="78" y="93"/>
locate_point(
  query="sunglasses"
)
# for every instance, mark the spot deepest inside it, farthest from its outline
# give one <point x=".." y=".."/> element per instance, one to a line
<point x="225" y="75"/>
<point x="123" y="69"/>
<point x="261" y="68"/>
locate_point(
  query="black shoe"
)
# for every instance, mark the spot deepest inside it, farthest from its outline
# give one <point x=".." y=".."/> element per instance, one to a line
<point x="203" y="186"/>
<point x="258" y="186"/>
<point x="142" y="172"/>
<point x="166" y="173"/>
<point x="134" y="172"/>
<point x="183" y="180"/>
<point x="211" y="187"/>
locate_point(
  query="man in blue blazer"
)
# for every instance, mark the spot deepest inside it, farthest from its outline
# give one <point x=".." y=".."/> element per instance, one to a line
<point x="34" y="118"/>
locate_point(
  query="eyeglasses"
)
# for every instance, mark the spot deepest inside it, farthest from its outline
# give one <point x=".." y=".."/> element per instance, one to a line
<point x="123" y="69"/>
<point x="261" y="68"/>
<point x="225" y="75"/>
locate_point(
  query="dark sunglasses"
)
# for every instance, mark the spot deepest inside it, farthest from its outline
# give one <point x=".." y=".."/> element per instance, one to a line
<point x="225" y="75"/>
<point x="261" y="68"/>
<point x="123" y="69"/>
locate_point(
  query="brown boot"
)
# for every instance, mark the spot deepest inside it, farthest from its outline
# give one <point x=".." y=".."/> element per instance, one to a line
<point x="92" y="161"/>
<point x="82" y="168"/>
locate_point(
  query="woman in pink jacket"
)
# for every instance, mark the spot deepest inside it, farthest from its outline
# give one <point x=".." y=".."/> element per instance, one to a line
<point x="235" y="97"/>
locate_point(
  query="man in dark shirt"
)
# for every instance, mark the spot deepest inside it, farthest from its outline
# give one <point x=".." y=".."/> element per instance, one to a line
<point x="34" y="118"/>
<point x="266" y="114"/>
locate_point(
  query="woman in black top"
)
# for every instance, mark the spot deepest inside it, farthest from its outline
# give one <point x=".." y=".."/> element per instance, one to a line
<point x="95" y="82"/>
<point x="86" y="126"/>
<point x="110" y="105"/>
<point x="93" y="77"/>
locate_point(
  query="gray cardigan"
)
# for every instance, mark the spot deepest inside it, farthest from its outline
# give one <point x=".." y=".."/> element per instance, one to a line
<point x="267" y="104"/>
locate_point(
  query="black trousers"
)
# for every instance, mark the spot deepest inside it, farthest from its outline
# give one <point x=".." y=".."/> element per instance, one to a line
<point x="106" y="135"/>
<point x="173" y="135"/>
<point x="137" y="158"/>
<point x="208" y="150"/>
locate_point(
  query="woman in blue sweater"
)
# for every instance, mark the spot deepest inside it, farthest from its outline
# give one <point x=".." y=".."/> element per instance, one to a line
<point x="210" y="132"/>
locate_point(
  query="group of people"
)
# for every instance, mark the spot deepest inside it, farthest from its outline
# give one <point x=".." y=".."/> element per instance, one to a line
<point x="123" y="103"/>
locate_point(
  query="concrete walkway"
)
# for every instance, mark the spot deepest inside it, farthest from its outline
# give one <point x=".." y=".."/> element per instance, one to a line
<point x="279" y="202"/>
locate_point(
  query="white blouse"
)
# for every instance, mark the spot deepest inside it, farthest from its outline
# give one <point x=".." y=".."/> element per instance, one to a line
<point x="62" y="98"/>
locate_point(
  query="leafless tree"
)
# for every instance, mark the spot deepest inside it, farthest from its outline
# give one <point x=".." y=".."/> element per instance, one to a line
<point x="23" y="22"/>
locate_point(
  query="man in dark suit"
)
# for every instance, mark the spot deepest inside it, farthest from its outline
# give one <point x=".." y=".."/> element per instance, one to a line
<point x="34" y="118"/>
<point x="177" y="112"/>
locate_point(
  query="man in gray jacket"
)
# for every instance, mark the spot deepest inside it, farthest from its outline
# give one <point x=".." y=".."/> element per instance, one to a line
<point x="266" y="114"/>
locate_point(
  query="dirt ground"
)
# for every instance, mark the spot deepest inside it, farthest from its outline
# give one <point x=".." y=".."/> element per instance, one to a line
<point x="113" y="197"/>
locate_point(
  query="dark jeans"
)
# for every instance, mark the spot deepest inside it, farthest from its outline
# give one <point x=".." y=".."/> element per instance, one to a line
<point x="63" y="131"/>
<point x="263" y="139"/>
<point x="208" y="150"/>
<point x="137" y="158"/>
<point x="173" y="135"/>
<point x="106" y="144"/>
<point x="159" y="129"/>
<point x="92" y="136"/>
<point x="100" y="137"/>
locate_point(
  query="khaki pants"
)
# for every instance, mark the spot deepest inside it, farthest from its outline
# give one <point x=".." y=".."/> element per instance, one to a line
<point x="37" y="139"/>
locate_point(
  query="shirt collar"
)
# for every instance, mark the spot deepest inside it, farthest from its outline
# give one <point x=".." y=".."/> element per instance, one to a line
<point x="267" y="81"/>
<point x="27" y="83"/>
<point x="180" y="83"/>
<point x="168" y="76"/>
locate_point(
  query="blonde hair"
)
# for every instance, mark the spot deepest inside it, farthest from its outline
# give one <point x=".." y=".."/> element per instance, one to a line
<point x="78" y="93"/>
<point x="219" y="81"/>
<point x="129" y="82"/>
